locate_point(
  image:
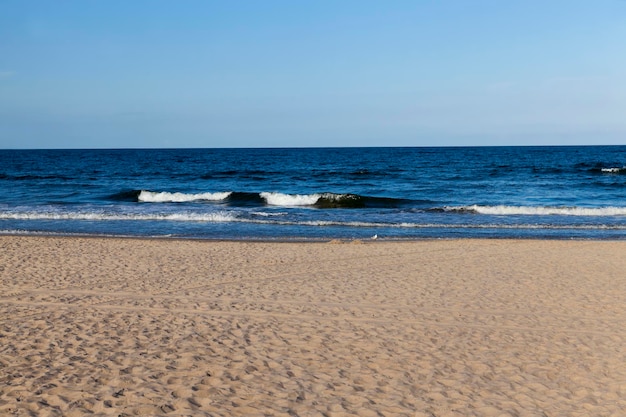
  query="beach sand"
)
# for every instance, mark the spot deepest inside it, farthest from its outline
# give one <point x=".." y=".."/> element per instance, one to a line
<point x="103" y="326"/>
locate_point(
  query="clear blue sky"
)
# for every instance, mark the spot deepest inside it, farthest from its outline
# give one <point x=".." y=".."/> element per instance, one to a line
<point x="311" y="73"/>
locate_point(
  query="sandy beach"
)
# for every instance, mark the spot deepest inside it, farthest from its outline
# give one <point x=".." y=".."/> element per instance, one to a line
<point x="103" y="326"/>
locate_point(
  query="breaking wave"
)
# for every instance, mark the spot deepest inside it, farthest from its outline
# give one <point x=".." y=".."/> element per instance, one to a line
<point x="331" y="200"/>
<point x="288" y="200"/>
<point x="248" y="199"/>
<point x="166" y="197"/>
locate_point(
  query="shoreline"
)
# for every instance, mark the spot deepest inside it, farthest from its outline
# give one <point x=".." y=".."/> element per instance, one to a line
<point x="445" y="327"/>
<point x="18" y="234"/>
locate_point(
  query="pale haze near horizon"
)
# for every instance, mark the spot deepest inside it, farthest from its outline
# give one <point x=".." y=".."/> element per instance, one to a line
<point x="151" y="74"/>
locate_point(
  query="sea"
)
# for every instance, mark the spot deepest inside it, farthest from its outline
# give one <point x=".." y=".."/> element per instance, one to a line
<point x="317" y="193"/>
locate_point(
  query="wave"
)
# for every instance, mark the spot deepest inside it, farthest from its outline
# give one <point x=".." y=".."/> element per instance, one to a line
<point x="614" y="170"/>
<point x="602" y="167"/>
<point x="167" y="197"/>
<point x="331" y="200"/>
<point x="127" y="195"/>
<point x="290" y="200"/>
<point x="502" y="210"/>
<point x="250" y="199"/>
<point x="353" y="201"/>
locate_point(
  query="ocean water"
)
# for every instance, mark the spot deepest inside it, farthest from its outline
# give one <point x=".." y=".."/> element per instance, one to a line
<point x="317" y="193"/>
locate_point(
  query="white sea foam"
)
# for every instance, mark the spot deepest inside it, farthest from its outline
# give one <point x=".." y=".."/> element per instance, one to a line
<point x="268" y="214"/>
<point x="225" y="217"/>
<point x="167" y="197"/>
<point x="103" y="216"/>
<point x="290" y="200"/>
<point x="406" y="225"/>
<point x="541" y="210"/>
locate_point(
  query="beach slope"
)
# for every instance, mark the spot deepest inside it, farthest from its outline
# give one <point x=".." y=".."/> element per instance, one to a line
<point x="107" y="326"/>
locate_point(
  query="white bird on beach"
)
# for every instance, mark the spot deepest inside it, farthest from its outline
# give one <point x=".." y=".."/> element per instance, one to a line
<point x="374" y="237"/>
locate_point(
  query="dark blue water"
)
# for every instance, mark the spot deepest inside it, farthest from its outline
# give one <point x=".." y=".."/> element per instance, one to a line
<point x="394" y="193"/>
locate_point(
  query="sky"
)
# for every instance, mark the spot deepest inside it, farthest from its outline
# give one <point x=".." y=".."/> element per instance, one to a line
<point x="154" y="74"/>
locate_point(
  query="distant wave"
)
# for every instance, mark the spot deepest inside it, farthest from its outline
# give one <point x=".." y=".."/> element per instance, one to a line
<point x="614" y="170"/>
<point x="539" y="210"/>
<point x="247" y="199"/>
<point x="602" y="168"/>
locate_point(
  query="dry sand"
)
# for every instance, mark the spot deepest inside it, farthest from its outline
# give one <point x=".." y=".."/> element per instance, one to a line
<point x="431" y="328"/>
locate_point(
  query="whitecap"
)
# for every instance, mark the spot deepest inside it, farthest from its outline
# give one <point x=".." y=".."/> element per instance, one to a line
<point x="167" y="197"/>
<point x="613" y="170"/>
<point x="290" y="200"/>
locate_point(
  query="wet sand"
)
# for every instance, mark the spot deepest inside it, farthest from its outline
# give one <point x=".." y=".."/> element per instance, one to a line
<point x="92" y="326"/>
